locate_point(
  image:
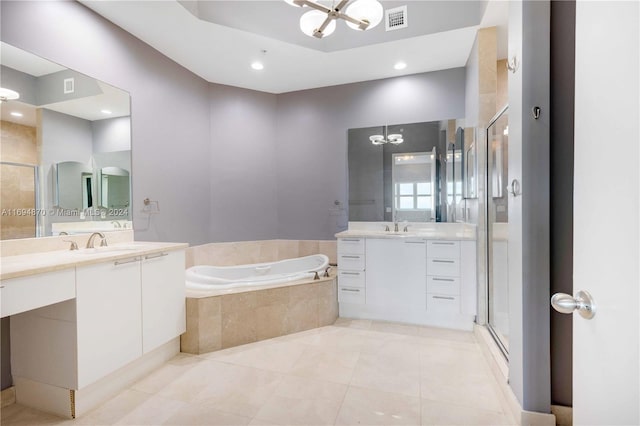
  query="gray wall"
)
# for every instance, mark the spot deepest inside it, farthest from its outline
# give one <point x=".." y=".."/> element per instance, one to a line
<point x="113" y="134"/>
<point x="563" y="20"/>
<point x="243" y="165"/>
<point x="170" y="108"/>
<point x="312" y="138"/>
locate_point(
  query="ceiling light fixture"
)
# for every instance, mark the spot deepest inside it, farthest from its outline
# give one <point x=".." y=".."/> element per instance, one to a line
<point x="393" y="139"/>
<point x="360" y="15"/>
<point x="105" y="111"/>
<point x="400" y="65"/>
<point x="8" y="95"/>
<point x="16" y="114"/>
<point x="257" y="66"/>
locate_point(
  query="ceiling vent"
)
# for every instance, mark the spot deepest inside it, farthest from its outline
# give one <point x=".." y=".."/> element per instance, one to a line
<point x="396" y="18"/>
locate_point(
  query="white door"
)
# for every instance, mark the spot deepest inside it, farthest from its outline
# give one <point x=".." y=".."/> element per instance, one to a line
<point x="606" y="215"/>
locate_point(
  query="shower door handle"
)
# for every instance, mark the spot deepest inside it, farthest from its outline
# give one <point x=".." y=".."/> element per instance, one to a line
<point x="582" y="302"/>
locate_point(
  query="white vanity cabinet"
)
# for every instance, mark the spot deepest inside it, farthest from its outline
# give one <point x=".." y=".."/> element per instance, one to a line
<point x="163" y="295"/>
<point x="410" y="279"/>
<point x="396" y="273"/>
<point x="124" y="315"/>
<point x="109" y="318"/>
<point x="351" y="271"/>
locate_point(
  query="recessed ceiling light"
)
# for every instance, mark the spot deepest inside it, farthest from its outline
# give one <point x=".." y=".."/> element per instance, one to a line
<point x="257" y="66"/>
<point x="105" y="111"/>
<point x="16" y="114"/>
<point x="400" y="65"/>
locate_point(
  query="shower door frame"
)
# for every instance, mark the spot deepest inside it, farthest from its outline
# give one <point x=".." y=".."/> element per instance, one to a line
<point x="489" y="249"/>
<point x="36" y="193"/>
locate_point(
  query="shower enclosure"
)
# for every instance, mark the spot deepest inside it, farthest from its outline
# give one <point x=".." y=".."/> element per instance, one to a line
<point x="19" y="200"/>
<point x="497" y="217"/>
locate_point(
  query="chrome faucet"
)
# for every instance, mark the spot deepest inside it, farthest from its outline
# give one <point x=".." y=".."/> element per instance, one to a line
<point x="73" y="246"/>
<point x="103" y="243"/>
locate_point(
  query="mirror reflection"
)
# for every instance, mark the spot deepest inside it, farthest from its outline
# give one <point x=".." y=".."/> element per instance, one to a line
<point x="72" y="134"/>
<point x="406" y="172"/>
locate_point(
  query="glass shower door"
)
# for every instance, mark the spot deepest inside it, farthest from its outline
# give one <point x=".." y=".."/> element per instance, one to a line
<point x="497" y="229"/>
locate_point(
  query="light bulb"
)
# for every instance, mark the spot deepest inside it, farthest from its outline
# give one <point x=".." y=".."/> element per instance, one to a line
<point x="400" y="65"/>
<point x="293" y="4"/>
<point x="377" y="139"/>
<point x="257" y="66"/>
<point x="365" y="10"/>
<point x="311" y="21"/>
<point x="8" y="94"/>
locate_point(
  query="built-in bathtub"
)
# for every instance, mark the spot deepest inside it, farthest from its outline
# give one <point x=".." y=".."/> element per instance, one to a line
<point x="234" y="305"/>
<point x="206" y="278"/>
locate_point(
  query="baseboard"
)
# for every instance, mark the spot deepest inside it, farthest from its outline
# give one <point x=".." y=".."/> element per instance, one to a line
<point x="500" y="370"/>
<point x="8" y="396"/>
<point x="564" y="415"/>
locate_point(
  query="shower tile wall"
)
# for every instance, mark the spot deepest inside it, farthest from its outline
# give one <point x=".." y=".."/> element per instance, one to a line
<point x="18" y="144"/>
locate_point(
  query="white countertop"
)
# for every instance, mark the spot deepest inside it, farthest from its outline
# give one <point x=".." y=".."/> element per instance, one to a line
<point x="37" y="263"/>
<point x="435" y="231"/>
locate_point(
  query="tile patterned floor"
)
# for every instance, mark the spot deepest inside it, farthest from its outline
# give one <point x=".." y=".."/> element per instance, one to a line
<point x="355" y="372"/>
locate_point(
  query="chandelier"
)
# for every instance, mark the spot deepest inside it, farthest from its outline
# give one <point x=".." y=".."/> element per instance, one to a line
<point x="393" y="139"/>
<point x="360" y="15"/>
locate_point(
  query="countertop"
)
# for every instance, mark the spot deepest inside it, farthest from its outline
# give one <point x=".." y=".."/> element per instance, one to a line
<point x="37" y="263"/>
<point x="437" y="231"/>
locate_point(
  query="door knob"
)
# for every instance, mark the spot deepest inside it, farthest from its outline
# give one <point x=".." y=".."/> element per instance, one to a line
<point x="566" y="304"/>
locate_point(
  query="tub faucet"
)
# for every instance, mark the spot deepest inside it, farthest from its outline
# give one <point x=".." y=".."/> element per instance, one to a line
<point x="103" y="243"/>
<point x="326" y="272"/>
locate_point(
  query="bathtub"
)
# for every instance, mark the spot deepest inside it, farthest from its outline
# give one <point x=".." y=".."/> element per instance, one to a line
<point x="204" y="277"/>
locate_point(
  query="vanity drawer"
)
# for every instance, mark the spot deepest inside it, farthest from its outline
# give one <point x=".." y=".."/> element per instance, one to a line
<point x="351" y="295"/>
<point x="443" y="249"/>
<point x="35" y="291"/>
<point x="351" y="278"/>
<point x="351" y="245"/>
<point x="443" y="303"/>
<point x="351" y="262"/>
<point x="443" y="267"/>
<point x="443" y="285"/>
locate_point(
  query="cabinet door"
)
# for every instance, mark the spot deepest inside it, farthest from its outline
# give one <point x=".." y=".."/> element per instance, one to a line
<point x="396" y="273"/>
<point x="109" y="319"/>
<point x="163" y="298"/>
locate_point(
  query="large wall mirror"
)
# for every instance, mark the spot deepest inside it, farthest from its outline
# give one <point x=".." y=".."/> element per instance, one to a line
<point x="65" y="150"/>
<point x="407" y="172"/>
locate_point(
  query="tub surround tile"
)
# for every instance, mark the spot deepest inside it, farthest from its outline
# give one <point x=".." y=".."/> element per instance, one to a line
<point x="238" y="328"/>
<point x="270" y="321"/>
<point x="273" y="296"/>
<point x="302" y="314"/>
<point x="308" y="247"/>
<point x="288" y="249"/>
<point x="330" y="249"/>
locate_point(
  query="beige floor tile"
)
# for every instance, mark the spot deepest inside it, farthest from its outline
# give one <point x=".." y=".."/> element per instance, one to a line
<point x="438" y="413"/>
<point x="239" y="390"/>
<point x="326" y="364"/>
<point x="279" y="357"/>
<point x="446" y="334"/>
<point x="114" y="409"/>
<point x="19" y="415"/>
<point x="399" y="373"/>
<point x="160" y="378"/>
<point x="370" y="407"/>
<point x="204" y="414"/>
<point x="397" y="328"/>
<point x="154" y="411"/>
<point x="298" y="411"/>
<point x="304" y="388"/>
<point x="353" y="323"/>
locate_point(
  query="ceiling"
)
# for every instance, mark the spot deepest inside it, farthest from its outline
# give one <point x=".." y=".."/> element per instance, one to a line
<point x="88" y="108"/>
<point x="218" y="40"/>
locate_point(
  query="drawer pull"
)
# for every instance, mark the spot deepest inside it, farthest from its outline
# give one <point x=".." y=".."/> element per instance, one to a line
<point x="350" y="290"/>
<point x="415" y="242"/>
<point x="443" y="297"/>
<point x="350" y="257"/>
<point x="443" y="243"/>
<point x="349" y="273"/>
<point x="124" y="262"/>
<point x="155" y="256"/>
<point x="353" y="240"/>
<point x="443" y="261"/>
<point x="449" y="280"/>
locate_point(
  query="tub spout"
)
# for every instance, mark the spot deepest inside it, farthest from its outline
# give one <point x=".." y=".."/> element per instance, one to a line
<point x="315" y="275"/>
<point x="326" y="272"/>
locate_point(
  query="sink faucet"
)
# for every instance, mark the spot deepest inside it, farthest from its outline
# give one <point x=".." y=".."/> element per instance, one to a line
<point x="116" y="224"/>
<point x="395" y="226"/>
<point x="103" y="243"/>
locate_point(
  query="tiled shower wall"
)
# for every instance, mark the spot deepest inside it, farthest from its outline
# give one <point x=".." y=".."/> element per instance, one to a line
<point x="18" y="144"/>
